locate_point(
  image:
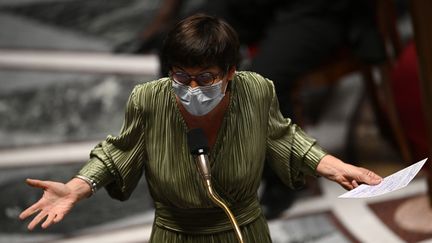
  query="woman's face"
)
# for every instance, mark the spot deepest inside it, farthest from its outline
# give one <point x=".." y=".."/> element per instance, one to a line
<point x="197" y="76"/>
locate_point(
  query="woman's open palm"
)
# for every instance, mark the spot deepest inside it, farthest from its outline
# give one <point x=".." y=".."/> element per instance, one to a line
<point x="55" y="203"/>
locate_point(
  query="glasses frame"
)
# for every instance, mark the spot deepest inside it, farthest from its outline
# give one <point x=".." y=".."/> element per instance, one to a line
<point x="194" y="77"/>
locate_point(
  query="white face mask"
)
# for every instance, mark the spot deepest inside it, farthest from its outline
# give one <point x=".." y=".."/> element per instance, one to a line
<point x="200" y="100"/>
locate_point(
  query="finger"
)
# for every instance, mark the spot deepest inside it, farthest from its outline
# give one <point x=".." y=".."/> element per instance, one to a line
<point x="370" y="177"/>
<point x="347" y="185"/>
<point x="58" y="218"/>
<point x="36" y="220"/>
<point x="29" y="211"/>
<point x="36" y="183"/>
<point x="354" y="183"/>
<point x="49" y="221"/>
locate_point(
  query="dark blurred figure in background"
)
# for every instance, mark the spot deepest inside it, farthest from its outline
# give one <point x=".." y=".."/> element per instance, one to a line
<point x="284" y="39"/>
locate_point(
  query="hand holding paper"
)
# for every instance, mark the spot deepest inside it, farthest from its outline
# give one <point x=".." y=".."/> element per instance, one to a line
<point x="391" y="183"/>
<point x="346" y="175"/>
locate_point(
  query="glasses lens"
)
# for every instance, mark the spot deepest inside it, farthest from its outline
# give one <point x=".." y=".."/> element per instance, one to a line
<point x="205" y="78"/>
<point x="181" y="77"/>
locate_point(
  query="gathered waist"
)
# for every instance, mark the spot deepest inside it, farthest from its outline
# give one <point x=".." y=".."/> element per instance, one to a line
<point x="205" y="220"/>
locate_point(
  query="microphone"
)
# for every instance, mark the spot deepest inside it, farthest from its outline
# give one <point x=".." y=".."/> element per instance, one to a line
<point x="198" y="146"/>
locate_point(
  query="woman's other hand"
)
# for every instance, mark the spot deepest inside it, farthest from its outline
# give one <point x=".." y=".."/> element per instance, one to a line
<point x="57" y="201"/>
<point x="347" y="175"/>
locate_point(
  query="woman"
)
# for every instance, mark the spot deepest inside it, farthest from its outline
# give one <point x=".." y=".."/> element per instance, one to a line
<point x="239" y="114"/>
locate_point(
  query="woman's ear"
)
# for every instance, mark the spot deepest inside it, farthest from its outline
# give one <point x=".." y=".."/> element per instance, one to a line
<point x="231" y="72"/>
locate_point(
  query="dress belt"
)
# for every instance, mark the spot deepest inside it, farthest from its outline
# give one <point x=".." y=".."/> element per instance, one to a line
<point x="205" y="220"/>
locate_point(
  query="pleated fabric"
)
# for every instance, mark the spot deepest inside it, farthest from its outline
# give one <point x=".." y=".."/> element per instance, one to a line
<point x="153" y="142"/>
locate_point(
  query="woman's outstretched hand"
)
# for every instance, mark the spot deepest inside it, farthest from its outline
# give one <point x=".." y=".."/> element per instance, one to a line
<point x="347" y="175"/>
<point x="57" y="201"/>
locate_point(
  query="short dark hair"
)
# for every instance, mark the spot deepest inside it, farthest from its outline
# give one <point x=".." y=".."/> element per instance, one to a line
<point x="201" y="40"/>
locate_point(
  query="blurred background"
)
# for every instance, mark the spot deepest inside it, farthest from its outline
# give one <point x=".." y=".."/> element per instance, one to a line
<point x="68" y="66"/>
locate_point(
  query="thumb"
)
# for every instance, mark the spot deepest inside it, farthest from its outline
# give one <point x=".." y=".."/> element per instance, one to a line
<point x="370" y="177"/>
<point x="36" y="183"/>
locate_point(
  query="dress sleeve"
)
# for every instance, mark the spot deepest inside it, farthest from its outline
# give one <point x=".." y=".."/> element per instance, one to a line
<point x="290" y="151"/>
<point x="117" y="163"/>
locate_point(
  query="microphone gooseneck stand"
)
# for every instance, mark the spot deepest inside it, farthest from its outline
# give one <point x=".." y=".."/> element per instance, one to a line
<point x="203" y="167"/>
<point x="198" y="146"/>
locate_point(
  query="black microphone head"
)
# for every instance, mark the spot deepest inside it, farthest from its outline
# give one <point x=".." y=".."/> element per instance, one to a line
<point x="197" y="141"/>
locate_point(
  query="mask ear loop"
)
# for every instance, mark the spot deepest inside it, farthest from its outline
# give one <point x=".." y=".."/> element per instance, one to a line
<point x="226" y="87"/>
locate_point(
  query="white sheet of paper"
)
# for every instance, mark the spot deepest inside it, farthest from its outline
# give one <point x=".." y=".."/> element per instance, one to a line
<point x="391" y="183"/>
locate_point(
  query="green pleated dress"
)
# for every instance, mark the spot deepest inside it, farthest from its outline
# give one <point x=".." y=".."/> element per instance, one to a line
<point x="153" y="141"/>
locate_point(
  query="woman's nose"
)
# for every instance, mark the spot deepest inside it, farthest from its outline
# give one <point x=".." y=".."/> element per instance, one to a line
<point x="193" y="83"/>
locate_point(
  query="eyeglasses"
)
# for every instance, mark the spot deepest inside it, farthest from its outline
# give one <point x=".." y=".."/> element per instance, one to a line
<point x="203" y="79"/>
